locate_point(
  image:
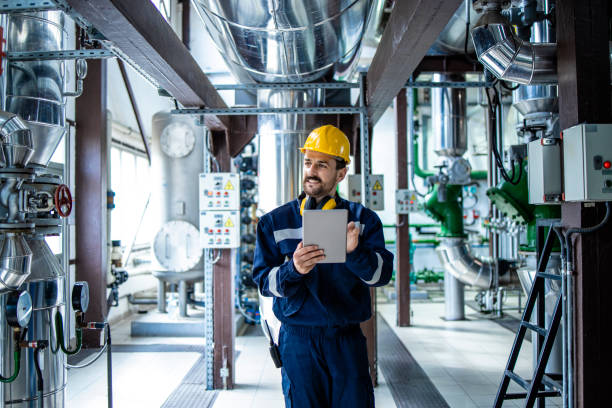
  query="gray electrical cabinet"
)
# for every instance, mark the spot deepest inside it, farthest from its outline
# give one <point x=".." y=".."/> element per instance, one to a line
<point x="544" y="171"/>
<point x="377" y="190"/>
<point x="587" y="162"/>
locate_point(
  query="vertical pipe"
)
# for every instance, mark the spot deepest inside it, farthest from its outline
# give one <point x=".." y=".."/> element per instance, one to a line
<point x="454" y="299"/>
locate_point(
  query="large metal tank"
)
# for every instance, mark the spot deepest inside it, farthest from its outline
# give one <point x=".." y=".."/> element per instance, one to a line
<point x="46" y="286"/>
<point x="35" y="89"/>
<point x="280" y="137"/>
<point x="177" y="161"/>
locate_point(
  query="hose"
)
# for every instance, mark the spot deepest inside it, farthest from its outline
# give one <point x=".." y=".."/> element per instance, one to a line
<point x="59" y="334"/>
<point x="39" y="377"/>
<point x="17" y="361"/>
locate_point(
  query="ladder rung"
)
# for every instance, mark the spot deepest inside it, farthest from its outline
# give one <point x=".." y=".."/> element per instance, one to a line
<point x="538" y="329"/>
<point x="520" y="381"/>
<point x="522" y="395"/>
<point x="548" y="276"/>
<point x="519" y="395"/>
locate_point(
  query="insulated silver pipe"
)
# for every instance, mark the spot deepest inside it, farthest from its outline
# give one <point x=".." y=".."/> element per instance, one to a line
<point x="508" y="57"/>
<point x="448" y="114"/>
<point x="457" y="259"/>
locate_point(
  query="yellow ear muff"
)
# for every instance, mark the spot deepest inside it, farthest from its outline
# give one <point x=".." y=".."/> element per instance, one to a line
<point x="328" y="204"/>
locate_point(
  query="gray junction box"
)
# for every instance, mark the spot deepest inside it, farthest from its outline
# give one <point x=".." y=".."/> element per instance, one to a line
<point x="587" y="162"/>
<point x="544" y="171"/>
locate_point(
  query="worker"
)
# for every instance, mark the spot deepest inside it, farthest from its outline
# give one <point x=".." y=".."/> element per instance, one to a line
<point x="322" y="349"/>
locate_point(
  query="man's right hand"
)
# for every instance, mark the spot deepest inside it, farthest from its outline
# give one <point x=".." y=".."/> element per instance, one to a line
<point x="306" y="257"/>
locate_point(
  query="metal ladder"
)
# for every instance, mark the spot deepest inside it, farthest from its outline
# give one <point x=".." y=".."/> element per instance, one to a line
<point x="541" y="385"/>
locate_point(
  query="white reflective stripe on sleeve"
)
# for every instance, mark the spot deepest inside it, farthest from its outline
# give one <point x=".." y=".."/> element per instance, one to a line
<point x="378" y="272"/>
<point x="360" y="226"/>
<point x="272" y="284"/>
<point x="288" y="233"/>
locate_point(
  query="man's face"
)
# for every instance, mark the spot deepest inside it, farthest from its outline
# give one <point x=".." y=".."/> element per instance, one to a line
<point x="320" y="174"/>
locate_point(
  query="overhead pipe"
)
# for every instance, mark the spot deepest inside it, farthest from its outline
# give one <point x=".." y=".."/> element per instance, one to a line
<point x="507" y="56"/>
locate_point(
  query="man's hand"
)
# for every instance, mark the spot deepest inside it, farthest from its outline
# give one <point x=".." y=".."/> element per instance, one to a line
<point x="352" y="237"/>
<point x="306" y="257"/>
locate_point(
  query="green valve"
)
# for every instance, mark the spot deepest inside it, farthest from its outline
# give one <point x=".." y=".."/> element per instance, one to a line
<point x="449" y="212"/>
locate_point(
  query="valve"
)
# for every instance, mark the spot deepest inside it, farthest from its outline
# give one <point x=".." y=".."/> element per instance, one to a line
<point x="63" y="200"/>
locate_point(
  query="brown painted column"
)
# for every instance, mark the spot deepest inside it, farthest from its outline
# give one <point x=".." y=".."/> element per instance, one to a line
<point x="90" y="194"/>
<point x="368" y="327"/>
<point x="584" y="97"/>
<point x="223" y="293"/>
<point x="402" y="239"/>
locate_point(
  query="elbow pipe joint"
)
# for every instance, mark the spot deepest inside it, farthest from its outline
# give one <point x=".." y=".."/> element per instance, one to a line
<point x="15" y="140"/>
<point x="448" y="212"/>
<point x="510" y="58"/>
<point x="457" y="259"/>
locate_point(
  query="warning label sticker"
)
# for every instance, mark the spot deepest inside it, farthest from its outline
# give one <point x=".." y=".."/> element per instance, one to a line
<point x="229" y="223"/>
<point x="377" y="186"/>
<point x="229" y="186"/>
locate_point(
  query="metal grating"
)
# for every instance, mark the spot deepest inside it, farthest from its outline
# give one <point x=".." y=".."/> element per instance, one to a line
<point x="158" y="348"/>
<point x="409" y="385"/>
<point x="192" y="392"/>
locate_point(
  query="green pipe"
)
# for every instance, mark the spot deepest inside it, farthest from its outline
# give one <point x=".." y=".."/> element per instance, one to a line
<point x="426" y="241"/>
<point x="59" y="333"/>
<point x="17" y="361"/>
<point x="425" y="226"/>
<point x="449" y="212"/>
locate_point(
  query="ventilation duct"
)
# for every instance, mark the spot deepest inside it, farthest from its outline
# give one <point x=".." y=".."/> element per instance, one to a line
<point x="508" y="57"/>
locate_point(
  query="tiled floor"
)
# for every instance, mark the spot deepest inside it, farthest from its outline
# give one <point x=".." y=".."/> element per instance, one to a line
<point x="463" y="359"/>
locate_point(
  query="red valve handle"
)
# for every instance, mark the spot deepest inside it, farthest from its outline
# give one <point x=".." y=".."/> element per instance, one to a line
<point x="63" y="200"/>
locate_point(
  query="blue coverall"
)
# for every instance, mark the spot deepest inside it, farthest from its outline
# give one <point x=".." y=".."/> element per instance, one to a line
<point x="322" y="348"/>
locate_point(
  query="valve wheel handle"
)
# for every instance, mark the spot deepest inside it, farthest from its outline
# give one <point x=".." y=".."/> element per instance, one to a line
<point x="63" y="200"/>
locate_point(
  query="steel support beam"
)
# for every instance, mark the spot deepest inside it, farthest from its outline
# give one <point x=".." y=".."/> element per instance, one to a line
<point x="138" y="30"/>
<point x="91" y="163"/>
<point x="584" y="96"/>
<point x="133" y="103"/>
<point x="413" y="27"/>
<point x="223" y="294"/>
<point x="449" y="64"/>
<point x="402" y="240"/>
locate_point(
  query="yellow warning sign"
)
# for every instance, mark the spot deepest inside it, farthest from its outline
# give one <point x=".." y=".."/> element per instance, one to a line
<point x="377" y="186"/>
<point x="229" y="223"/>
<point x="229" y="186"/>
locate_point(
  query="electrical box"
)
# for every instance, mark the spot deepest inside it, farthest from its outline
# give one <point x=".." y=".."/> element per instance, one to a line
<point x="406" y="201"/>
<point x="219" y="210"/>
<point x="587" y="162"/>
<point x="220" y="229"/>
<point x="219" y="191"/>
<point x="544" y="171"/>
<point x="377" y="193"/>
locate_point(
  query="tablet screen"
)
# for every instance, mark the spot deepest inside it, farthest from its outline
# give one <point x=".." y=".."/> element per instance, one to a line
<point x="327" y="229"/>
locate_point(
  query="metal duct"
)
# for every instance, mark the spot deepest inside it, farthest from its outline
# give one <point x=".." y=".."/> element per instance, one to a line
<point x="448" y="113"/>
<point x="15" y="261"/>
<point x="287" y="41"/>
<point x="16" y="141"/>
<point x="457" y="259"/>
<point x="280" y="136"/>
<point x="508" y="57"/>
<point x="35" y="90"/>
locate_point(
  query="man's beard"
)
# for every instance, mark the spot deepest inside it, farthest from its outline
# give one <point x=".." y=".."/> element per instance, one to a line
<point x="317" y="191"/>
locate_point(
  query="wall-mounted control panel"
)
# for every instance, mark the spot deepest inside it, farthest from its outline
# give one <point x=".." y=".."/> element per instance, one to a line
<point x="544" y="175"/>
<point x="220" y="210"/>
<point x="220" y="229"/>
<point x="587" y="162"/>
<point x="406" y="201"/>
<point x="377" y="192"/>
<point x="219" y="191"/>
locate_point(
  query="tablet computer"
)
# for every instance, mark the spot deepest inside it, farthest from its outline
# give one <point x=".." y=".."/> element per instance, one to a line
<point x="327" y="230"/>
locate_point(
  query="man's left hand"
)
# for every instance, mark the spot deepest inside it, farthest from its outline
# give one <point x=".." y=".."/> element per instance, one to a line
<point x="352" y="237"/>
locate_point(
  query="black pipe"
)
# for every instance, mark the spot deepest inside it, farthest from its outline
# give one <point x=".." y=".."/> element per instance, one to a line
<point x="109" y="367"/>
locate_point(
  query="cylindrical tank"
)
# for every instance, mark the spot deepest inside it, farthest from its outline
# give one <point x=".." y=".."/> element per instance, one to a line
<point x="35" y="89"/>
<point x="176" y="162"/>
<point x="448" y="110"/>
<point x="46" y="286"/>
<point x="280" y="137"/>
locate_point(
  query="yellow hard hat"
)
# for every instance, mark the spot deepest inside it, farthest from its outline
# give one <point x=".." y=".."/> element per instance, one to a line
<point x="330" y="140"/>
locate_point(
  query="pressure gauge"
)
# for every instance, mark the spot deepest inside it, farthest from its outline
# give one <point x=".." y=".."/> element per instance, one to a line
<point x="18" y="308"/>
<point x="177" y="139"/>
<point x="177" y="246"/>
<point x="80" y="296"/>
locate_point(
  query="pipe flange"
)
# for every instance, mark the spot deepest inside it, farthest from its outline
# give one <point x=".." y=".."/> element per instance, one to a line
<point x="17" y="173"/>
<point x="16" y="227"/>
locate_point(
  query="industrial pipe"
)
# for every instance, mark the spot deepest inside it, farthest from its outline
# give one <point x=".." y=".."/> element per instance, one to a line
<point x="16" y="140"/>
<point x="508" y="57"/>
